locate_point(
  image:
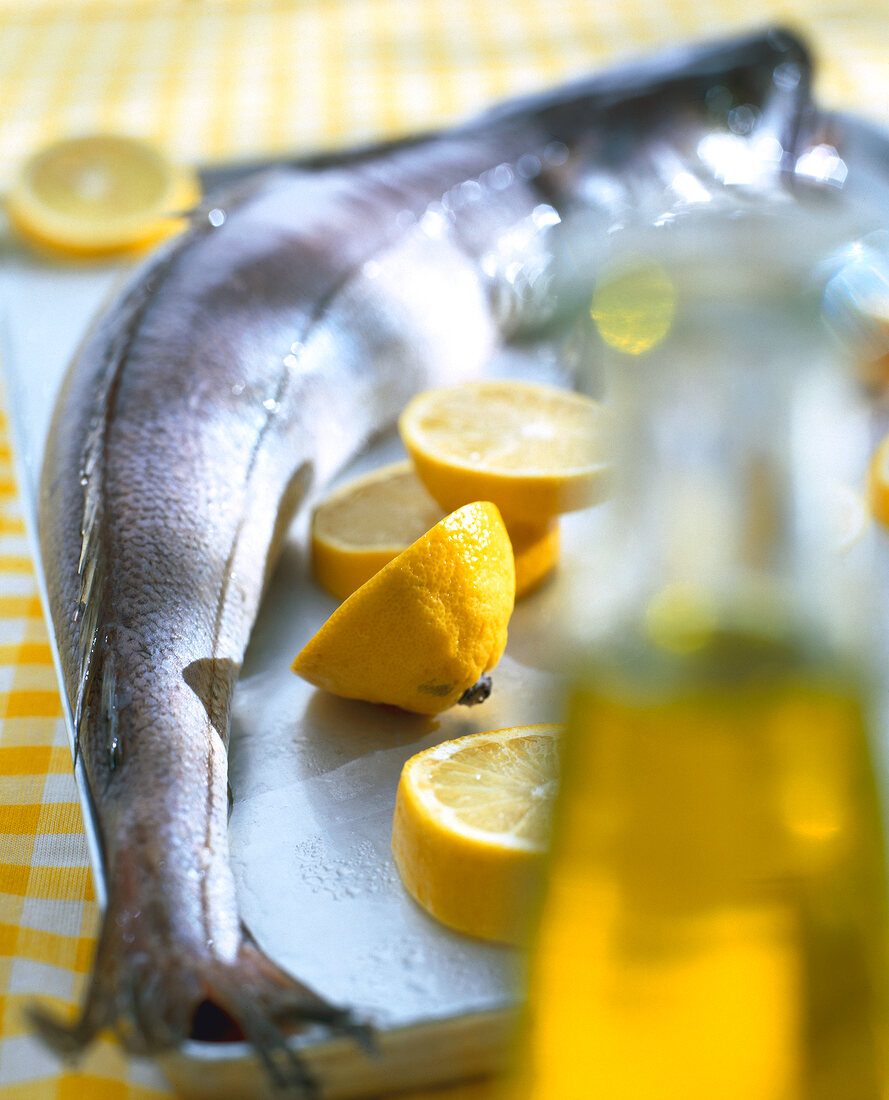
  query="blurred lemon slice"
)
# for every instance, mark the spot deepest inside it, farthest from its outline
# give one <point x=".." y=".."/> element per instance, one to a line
<point x="535" y="451"/>
<point x="371" y="519"/>
<point x="93" y="196"/>
<point x="424" y="629"/>
<point x="878" y="482"/>
<point x="472" y="825"/>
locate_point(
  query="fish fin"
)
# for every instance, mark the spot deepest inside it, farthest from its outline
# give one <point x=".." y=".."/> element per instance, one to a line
<point x="156" y="993"/>
<point x="213" y="680"/>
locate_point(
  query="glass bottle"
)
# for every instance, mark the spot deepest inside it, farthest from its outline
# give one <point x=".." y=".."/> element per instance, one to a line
<point x="715" y="925"/>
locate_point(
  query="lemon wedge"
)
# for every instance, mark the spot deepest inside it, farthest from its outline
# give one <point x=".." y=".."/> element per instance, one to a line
<point x="472" y="825"/>
<point x="535" y="451"/>
<point x="369" y="520"/>
<point x="424" y="629"/>
<point x="98" y="195"/>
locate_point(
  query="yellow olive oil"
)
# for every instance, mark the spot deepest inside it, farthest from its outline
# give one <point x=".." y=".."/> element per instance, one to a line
<point x="715" y="926"/>
<point x="715" y="923"/>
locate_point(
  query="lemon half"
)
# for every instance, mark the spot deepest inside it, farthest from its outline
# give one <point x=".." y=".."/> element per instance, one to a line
<point x="97" y="195"/>
<point x="472" y="826"/>
<point x="366" y="523"/>
<point x="369" y="520"/>
<point x="535" y="451"/>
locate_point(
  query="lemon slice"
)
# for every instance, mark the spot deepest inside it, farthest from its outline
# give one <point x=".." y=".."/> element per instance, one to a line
<point x="533" y="450"/>
<point x="472" y="825"/>
<point x="98" y="195"/>
<point x="371" y="519"/>
<point x="366" y="523"/>
<point x="424" y="629"/>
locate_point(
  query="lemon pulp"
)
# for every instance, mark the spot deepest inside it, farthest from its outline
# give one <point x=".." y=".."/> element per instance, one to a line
<point x="366" y="523"/>
<point x="99" y="194"/>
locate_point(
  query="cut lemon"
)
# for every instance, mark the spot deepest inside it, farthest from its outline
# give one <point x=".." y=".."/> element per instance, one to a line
<point x="472" y="825"/>
<point x="365" y="524"/>
<point x="368" y="521"/>
<point x="535" y="548"/>
<point x="97" y="195"/>
<point x="535" y="451"/>
<point x="424" y="629"/>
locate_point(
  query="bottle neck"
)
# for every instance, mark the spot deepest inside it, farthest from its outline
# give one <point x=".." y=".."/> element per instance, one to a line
<point x="731" y="436"/>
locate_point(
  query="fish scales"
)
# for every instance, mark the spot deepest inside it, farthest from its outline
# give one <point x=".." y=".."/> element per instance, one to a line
<point x="241" y="367"/>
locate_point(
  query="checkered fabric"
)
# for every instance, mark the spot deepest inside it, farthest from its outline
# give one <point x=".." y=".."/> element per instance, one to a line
<point x="217" y="80"/>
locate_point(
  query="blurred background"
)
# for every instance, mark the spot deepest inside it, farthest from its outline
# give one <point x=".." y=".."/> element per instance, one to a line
<point x="217" y="79"/>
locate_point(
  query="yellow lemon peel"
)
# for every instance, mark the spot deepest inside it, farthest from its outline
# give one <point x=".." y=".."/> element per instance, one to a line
<point x="371" y="519"/>
<point x="423" y="630"/>
<point x="472" y="824"/>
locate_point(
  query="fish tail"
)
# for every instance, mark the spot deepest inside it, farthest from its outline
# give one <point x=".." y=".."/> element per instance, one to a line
<point x="70" y="1037"/>
<point x="266" y="1003"/>
<point x="155" y="1000"/>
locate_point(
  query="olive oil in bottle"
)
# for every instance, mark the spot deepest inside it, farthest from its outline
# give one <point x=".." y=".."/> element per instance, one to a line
<point x="715" y="925"/>
<point x="716" y="921"/>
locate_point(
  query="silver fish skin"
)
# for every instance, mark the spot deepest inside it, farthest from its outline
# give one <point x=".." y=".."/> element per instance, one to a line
<point x="240" y="368"/>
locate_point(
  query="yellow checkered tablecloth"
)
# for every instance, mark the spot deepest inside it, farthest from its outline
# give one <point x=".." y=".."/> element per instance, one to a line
<point x="213" y="80"/>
